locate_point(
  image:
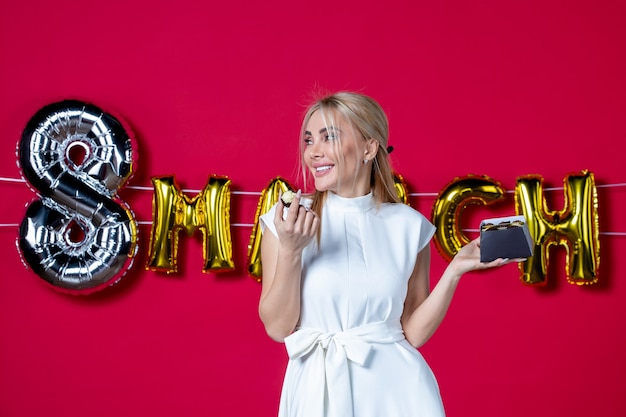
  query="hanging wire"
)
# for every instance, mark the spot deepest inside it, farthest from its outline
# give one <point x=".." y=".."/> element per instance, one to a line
<point x="258" y="193"/>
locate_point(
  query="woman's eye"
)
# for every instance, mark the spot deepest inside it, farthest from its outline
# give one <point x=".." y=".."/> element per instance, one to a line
<point x="308" y="141"/>
<point x="331" y="137"/>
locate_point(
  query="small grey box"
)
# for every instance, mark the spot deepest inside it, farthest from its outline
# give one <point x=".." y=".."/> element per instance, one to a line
<point x="505" y="237"/>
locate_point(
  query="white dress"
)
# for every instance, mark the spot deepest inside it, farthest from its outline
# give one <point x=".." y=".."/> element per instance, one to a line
<point x="348" y="357"/>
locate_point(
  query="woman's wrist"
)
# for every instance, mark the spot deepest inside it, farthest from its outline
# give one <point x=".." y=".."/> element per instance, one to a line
<point x="453" y="272"/>
<point x="289" y="252"/>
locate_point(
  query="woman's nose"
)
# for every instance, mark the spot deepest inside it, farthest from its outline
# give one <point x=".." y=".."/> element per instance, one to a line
<point x="315" y="149"/>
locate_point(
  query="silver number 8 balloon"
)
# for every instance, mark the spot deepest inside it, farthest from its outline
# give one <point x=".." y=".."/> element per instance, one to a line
<point x="78" y="235"/>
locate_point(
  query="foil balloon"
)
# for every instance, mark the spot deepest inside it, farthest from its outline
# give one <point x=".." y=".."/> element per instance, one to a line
<point x="269" y="197"/>
<point x="78" y="235"/>
<point x="401" y="189"/>
<point x="449" y="205"/>
<point x="173" y="211"/>
<point x="575" y="228"/>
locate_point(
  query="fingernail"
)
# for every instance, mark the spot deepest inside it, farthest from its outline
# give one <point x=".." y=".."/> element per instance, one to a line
<point x="503" y="261"/>
<point x="299" y="193"/>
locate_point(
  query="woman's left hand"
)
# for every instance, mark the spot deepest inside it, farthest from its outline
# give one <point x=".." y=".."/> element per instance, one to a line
<point x="468" y="259"/>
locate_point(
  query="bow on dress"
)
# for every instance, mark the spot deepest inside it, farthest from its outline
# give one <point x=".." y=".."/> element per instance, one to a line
<point x="329" y="384"/>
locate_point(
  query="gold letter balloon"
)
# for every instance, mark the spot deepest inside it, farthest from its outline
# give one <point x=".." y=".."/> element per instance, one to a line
<point x="401" y="189"/>
<point x="575" y="227"/>
<point x="449" y="206"/>
<point x="269" y="197"/>
<point x="173" y="211"/>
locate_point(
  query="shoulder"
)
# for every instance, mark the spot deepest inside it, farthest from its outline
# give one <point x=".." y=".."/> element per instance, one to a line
<point x="405" y="220"/>
<point x="401" y="212"/>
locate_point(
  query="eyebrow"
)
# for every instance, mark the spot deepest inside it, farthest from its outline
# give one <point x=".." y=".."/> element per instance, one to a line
<point x="324" y="130"/>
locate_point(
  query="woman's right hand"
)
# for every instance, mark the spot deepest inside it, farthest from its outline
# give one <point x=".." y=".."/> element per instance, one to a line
<point x="279" y="306"/>
<point x="298" y="227"/>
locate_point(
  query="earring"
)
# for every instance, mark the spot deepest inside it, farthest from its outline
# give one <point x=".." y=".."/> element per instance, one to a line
<point x="365" y="161"/>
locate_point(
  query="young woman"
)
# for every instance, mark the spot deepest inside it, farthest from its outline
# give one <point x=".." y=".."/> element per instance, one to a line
<point x="346" y="281"/>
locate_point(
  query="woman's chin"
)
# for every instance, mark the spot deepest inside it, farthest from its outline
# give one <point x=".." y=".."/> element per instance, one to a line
<point x="321" y="185"/>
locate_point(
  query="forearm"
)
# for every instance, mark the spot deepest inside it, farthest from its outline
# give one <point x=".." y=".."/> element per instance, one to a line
<point x="423" y="314"/>
<point x="279" y="307"/>
<point x="422" y="322"/>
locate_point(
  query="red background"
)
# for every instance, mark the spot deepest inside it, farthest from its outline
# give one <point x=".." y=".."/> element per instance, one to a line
<point x="218" y="89"/>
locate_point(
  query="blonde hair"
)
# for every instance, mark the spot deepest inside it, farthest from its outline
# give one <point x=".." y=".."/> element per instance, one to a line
<point x="369" y="120"/>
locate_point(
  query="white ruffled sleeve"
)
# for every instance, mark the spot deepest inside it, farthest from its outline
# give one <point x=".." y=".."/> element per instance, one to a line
<point x="266" y="221"/>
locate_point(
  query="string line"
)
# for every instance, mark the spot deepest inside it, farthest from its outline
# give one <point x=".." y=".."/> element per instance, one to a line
<point x="193" y="190"/>
<point x="258" y="193"/>
<point x="250" y="225"/>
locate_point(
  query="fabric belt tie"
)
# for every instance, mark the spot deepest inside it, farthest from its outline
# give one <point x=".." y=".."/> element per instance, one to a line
<point x="329" y="383"/>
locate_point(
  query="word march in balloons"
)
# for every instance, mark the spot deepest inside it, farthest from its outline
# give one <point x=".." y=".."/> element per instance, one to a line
<point x="80" y="237"/>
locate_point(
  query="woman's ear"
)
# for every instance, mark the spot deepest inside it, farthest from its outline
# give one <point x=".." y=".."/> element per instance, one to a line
<point x="371" y="149"/>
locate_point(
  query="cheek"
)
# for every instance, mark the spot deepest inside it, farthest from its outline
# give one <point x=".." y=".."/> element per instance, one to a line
<point x="350" y="150"/>
<point x="351" y="156"/>
<point x="332" y="152"/>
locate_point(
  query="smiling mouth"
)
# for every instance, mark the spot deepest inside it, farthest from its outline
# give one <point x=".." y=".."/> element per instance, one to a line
<point x="323" y="168"/>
